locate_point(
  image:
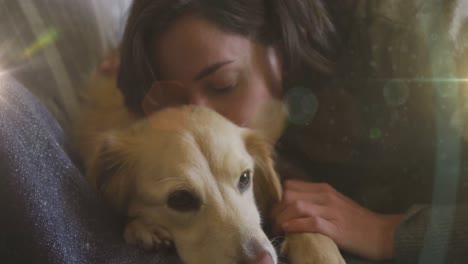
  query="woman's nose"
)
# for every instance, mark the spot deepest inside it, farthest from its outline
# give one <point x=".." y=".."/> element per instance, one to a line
<point x="198" y="99"/>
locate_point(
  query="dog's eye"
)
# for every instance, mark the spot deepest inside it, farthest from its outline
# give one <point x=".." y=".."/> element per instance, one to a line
<point x="183" y="201"/>
<point x="244" y="181"/>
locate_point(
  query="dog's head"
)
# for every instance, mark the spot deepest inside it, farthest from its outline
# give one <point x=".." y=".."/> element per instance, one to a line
<point x="190" y="176"/>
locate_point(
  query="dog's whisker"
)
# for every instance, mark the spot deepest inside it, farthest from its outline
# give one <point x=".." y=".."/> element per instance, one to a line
<point x="276" y="241"/>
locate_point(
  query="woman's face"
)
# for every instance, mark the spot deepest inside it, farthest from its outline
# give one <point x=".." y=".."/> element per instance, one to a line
<point x="199" y="64"/>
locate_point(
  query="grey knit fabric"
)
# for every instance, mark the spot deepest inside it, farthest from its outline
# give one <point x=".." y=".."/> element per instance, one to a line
<point x="437" y="234"/>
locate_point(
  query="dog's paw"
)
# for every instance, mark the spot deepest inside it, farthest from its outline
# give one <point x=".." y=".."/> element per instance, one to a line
<point x="310" y="248"/>
<point x="141" y="235"/>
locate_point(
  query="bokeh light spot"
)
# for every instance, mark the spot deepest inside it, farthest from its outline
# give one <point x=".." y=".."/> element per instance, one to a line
<point x="302" y="105"/>
<point x="375" y="134"/>
<point x="396" y="93"/>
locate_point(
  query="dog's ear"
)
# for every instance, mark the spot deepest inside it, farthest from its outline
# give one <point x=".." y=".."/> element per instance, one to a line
<point x="109" y="168"/>
<point x="266" y="182"/>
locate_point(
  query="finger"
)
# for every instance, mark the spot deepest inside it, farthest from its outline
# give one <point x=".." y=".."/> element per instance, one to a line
<point x="310" y="224"/>
<point x="301" y="209"/>
<point x="302" y="186"/>
<point x="274" y="213"/>
<point x="325" y="194"/>
<point x="290" y="196"/>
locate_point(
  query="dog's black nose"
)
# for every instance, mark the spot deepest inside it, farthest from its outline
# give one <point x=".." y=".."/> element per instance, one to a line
<point x="262" y="257"/>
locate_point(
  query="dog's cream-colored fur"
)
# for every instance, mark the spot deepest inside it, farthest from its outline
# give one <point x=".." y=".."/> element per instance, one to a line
<point x="136" y="164"/>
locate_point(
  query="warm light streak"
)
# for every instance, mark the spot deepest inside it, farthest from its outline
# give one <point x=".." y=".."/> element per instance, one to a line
<point x="42" y="41"/>
<point x="433" y="80"/>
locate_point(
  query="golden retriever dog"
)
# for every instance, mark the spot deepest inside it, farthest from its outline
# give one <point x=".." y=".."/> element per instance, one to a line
<point x="190" y="178"/>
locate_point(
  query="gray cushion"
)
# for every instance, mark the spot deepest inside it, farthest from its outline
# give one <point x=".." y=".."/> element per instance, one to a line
<point x="49" y="214"/>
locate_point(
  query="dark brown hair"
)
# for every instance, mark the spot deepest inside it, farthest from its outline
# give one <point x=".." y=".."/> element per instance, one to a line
<point x="300" y="29"/>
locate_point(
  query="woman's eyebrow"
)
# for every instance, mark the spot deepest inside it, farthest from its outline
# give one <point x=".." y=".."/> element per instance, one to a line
<point x="210" y="70"/>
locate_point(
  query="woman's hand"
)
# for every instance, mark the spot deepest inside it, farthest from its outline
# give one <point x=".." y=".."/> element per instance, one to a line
<point x="317" y="207"/>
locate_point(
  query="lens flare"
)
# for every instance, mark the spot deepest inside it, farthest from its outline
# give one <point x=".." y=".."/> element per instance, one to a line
<point x="302" y="105"/>
<point x="427" y="80"/>
<point x="12" y="59"/>
<point x="45" y="39"/>
<point x="375" y="133"/>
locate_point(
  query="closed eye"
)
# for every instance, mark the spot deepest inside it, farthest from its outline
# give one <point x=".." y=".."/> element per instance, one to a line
<point x="221" y="89"/>
<point x="224" y="90"/>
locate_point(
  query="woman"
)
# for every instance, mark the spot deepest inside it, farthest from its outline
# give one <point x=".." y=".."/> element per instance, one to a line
<point x="358" y="79"/>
